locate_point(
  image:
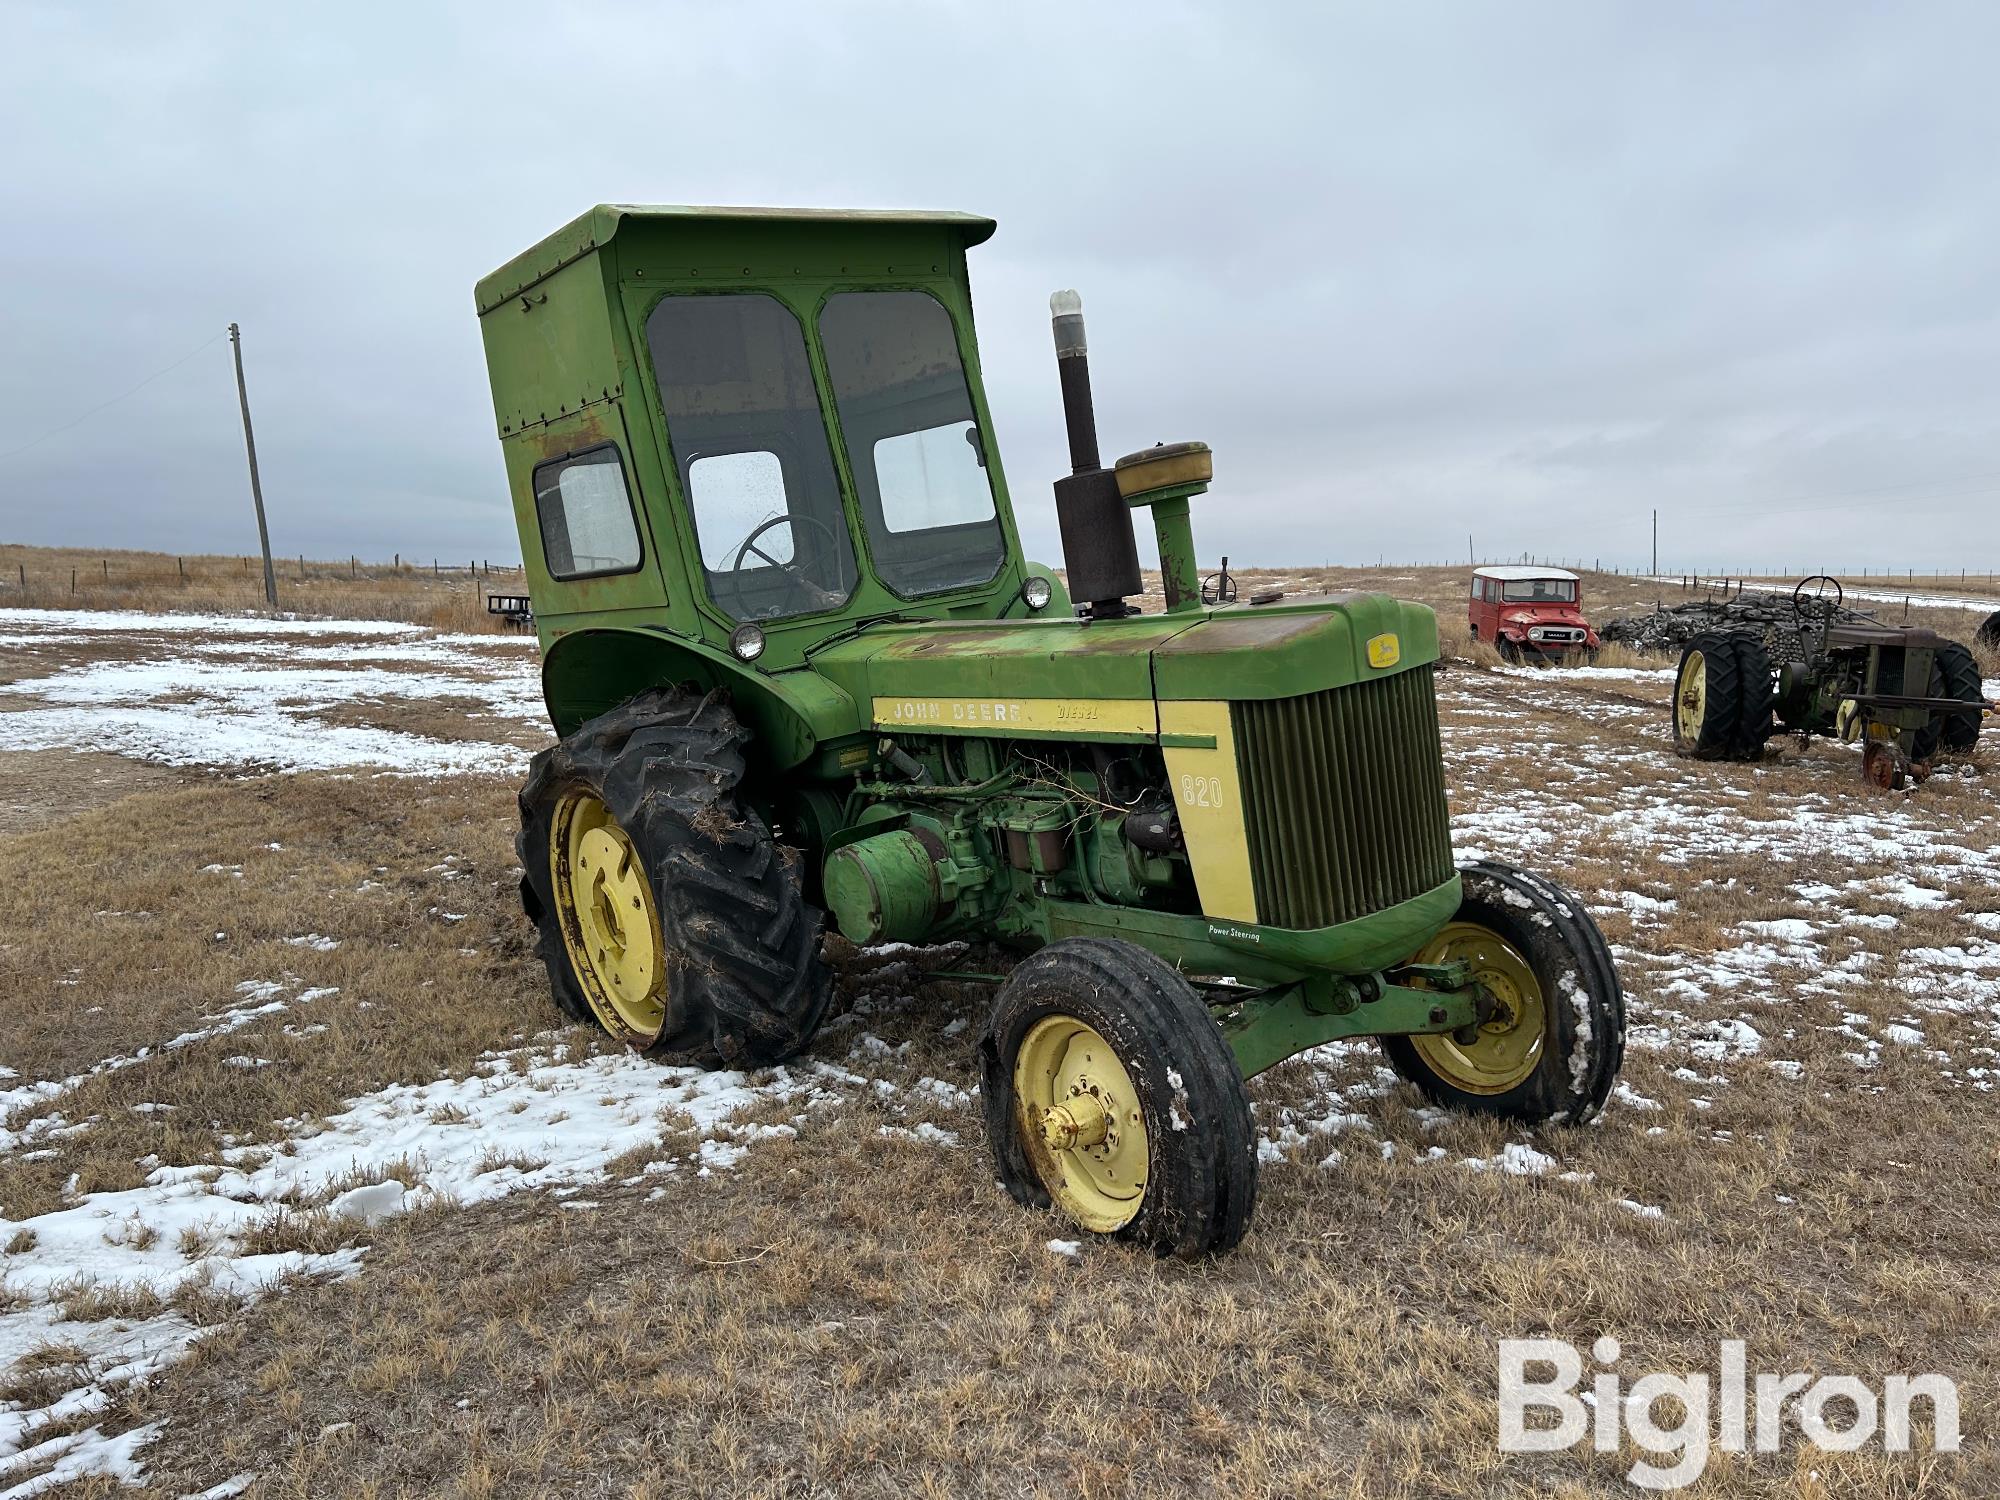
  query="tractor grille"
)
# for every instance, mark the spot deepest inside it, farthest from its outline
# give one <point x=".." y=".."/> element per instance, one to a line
<point x="1343" y="797"/>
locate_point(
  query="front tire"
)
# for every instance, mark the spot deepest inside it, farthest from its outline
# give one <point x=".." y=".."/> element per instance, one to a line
<point x="664" y="910"/>
<point x="1557" y="1039"/>
<point x="1112" y="1096"/>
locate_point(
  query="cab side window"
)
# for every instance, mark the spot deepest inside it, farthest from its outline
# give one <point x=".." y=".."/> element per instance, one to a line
<point x="585" y="514"/>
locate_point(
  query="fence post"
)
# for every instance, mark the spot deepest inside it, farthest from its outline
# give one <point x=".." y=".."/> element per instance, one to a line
<point x="72" y="580"/>
<point x="181" y="563"/>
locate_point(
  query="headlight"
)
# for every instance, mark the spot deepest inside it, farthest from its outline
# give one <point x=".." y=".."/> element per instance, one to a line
<point x="1036" y="592"/>
<point x="747" y="642"/>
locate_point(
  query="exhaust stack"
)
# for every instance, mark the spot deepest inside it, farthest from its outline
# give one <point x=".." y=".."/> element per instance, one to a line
<point x="1100" y="549"/>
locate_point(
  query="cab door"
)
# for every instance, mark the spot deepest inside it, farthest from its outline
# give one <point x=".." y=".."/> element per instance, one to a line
<point x="586" y="541"/>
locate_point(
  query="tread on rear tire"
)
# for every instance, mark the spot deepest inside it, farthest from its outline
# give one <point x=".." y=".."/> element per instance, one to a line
<point x="744" y="984"/>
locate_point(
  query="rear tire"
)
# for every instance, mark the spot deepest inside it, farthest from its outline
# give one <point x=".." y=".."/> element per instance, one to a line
<point x="1960" y="673"/>
<point x="1756" y="719"/>
<point x="1170" y="1082"/>
<point x="1536" y="947"/>
<point x="723" y="965"/>
<point x="1708" y="699"/>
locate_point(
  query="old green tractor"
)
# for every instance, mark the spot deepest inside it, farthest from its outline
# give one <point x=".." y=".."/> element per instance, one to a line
<point x="798" y="665"/>
<point x="1908" y="694"/>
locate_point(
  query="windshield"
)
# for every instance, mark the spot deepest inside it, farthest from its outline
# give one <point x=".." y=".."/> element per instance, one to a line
<point x="1539" y="591"/>
<point x="912" y="441"/>
<point x="750" y="445"/>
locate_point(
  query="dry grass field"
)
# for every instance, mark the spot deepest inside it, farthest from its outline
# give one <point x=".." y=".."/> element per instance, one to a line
<point x="448" y="594"/>
<point x="306" y="1189"/>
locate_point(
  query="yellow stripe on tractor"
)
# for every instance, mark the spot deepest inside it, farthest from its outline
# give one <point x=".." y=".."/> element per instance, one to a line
<point x="1092" y="717"/>
<point x="1209" y="796"/>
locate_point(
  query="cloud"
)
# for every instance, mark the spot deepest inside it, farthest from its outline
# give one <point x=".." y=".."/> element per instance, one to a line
<point x="1523" y="272"/>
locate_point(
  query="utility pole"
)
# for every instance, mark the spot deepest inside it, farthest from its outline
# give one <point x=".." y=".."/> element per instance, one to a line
<point x="256" y="488"/>
<point x="1656" y="543"/>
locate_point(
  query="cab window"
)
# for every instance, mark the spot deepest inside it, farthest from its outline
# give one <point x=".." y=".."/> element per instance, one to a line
<point x="585" y="515"/>
<point x="743" y="419"/>
<point x="913" y="441"/>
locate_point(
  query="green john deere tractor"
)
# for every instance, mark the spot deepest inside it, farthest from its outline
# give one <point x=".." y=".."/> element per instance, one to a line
<point x="799" y="665"/>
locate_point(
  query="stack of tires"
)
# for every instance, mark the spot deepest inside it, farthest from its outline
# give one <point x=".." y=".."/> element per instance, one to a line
<point x="1723" y="696"/>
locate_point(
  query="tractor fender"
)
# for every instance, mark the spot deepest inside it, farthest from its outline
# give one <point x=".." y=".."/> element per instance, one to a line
<point x="791" y="713"/>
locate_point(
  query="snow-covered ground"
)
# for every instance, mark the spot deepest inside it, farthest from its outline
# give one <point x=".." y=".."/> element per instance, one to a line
<point x="242" y="692"/>
<point x="533" y="1118"/>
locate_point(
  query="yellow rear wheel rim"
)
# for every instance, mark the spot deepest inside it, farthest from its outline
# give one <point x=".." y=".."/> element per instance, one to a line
<point x="1691" y="696"/>
<point x="1508" y="1047"/>
<point x="609" y="922"/>
<point x="1081" y="1120"/>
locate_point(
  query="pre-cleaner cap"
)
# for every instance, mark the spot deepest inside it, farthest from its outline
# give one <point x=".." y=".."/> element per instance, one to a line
<point x="1066" y="311"/>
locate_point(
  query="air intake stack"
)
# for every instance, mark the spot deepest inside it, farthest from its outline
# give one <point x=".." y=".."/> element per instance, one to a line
<point x="1100" y="551"/>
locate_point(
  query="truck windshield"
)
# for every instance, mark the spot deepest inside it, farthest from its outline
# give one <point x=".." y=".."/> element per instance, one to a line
<point x="913" y="441"/>
<point x="1539" y="591"/>
<point x="744" y="420"/>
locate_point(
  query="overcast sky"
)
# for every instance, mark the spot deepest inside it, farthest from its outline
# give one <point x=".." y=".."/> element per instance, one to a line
<point x="1523" y="271"/>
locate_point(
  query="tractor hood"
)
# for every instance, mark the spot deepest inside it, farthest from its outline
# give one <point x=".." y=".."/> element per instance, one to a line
<point x="1046" y="673"/>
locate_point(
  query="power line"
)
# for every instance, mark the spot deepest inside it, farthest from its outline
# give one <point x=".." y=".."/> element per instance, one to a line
<point x="79" y="421"/>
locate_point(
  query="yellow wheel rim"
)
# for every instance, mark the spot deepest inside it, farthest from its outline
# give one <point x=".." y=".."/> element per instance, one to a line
<point x="1082" y="1124"/>
<point x="1507" y="1047"/>
<point x="609" y="923"/>
<point x="1691" y="697"/>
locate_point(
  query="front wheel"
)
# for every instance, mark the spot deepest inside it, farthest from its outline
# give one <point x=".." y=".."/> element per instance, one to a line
<point x="1112" y="1096"/>
<point x="1556" y="1039"/>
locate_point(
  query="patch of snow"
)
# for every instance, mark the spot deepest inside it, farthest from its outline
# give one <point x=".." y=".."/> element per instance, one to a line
<point x="524" y="1119"/>
<point x="236" y="691"/>
<point x="1515" y="1160"/>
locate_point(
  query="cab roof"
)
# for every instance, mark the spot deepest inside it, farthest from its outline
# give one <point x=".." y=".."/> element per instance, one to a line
<point x="598" y="226"/>
<point x="1517" y="573"/>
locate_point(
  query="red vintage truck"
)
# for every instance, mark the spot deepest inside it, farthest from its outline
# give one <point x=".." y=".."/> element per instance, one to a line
<point x="1531" y="613"/>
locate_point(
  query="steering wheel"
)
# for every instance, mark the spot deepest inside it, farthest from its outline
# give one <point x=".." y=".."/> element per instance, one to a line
<point x="794" y="569"/>
<point x="1817" y="602"/>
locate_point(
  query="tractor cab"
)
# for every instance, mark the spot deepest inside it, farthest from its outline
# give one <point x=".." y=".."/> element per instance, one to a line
<point x="756" y="428"/>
